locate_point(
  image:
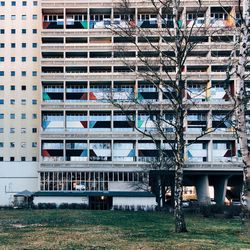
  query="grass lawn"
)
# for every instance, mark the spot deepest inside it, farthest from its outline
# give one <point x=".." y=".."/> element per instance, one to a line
<point x="83" y="229"/>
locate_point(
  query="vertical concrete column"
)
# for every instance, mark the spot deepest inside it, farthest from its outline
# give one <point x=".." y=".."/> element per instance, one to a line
<point x="202" y="189"/>
<point x="220" y="188"/>
<point x="65" y="18"/>
<point x="184" y="17"/>
<point x="208" y="16"/>
<point x="210" y="151"/>
<point x="64" y="150"/>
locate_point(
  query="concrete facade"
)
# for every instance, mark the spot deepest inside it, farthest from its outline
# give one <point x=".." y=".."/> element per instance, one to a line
<point x="66" y="61"/>
<point x="16" y="178"/>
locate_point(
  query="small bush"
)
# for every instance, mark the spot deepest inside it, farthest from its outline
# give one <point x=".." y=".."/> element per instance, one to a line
<point x="51" y="206"/>
<point x="126" y="207"/>
<point x="46" y="206"/>
<point x="6" y="207"/>
<point x="83" y="206"/>
<point x="232" y="211"/>
<point x="217" y="209"/>
<point x="115" y="207"/>
<point x="63" y="206"/>
<point x="206" y="211"/>
<point x="212" y="210"/>
<point x="73" y="206"/>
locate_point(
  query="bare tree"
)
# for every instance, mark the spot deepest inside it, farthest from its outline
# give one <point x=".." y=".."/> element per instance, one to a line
<point x="237" y="67"/>
<point x="163" y="44"/>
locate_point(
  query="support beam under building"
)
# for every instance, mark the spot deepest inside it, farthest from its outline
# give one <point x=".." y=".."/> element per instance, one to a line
<point x="202" y="189"/>
<point x="220" y="188"/>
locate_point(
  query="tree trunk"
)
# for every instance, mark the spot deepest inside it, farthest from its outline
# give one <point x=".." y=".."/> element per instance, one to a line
<point x="180" y="224"/>
<point x="241" y="105"/>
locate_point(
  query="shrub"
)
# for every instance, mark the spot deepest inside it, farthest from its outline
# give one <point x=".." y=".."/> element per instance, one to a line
<point x="115" y="207"/>
<point x="83" y="206"/>
<point x="217" y="209"/>
<point x="6" y="207"/>
<point x="232" y="211"/>
<point x="63" y="206"/>
<point x="206" y="211"/>
<point x="46" y="206"/>
<point x="126" y="207"/>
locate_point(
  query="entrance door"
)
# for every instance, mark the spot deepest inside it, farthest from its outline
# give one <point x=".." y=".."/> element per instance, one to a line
<point x="100" y="202"/>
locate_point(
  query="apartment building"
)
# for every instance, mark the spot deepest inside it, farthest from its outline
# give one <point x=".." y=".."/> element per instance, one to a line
<point x="19" y="97"/>
<point x="83" y="148"/>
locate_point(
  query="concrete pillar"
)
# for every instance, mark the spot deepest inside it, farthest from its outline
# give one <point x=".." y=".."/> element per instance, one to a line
<point x="220" y="188"/>
<point x="202" y="189"/>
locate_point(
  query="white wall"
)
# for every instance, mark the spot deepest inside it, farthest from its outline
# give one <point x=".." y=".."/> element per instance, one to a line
<point x="60" y="199"/>
<point x="136" y="201"/>
<point x="16" y="177"/>
<point x="118" y="186"/>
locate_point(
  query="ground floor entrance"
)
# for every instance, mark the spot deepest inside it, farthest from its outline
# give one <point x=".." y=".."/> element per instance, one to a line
<point x="100" y="202"/>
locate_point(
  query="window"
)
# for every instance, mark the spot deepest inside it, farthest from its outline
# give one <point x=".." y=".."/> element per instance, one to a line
<point x="1" y="130"/>
<point x="1" y="144"/>
<point x="12" y="116"/>
<point x="23" y="31"/>
<point x="24" y="17"/>
<point x="23" y="130"/>
<point x="12" y="101"/>
<point x="12" y="158"/>
<point x="34" y="17"/>
<point x="12" y="73"/>
<point x="35" y="3"/>
<point x="23" y="45"/>
<point x="12" y="59"/>
<point x="23" y="116"/>
<point x="13" y="17"/>
<point x="23" y="59"/>
<point x="34" y="31"/>
<point x="1" y="73"/>
<point x="1" y="87"/>
<point x="34" y="116"/>
<point x="12" y="87"/>
<point x="13" y="45"/>
<point x="23" y="144"/>
<point x="12" y="130"/>
<point x="33" y="158"/>
<point x="13" y="3"/>
<point x="1" y="59"/>
<point x="23" y="87"/>
<point x="1" y="158"/>
<point x="34" y="102"/>
<point x="34" y="59"/>
<point x="23" y="101"/>
<point x="34" y="130"/>
<point x="12" y="144"/>
<point x="2" y="17"/>
<point x="2" y="3"/>
<point x="34" y="144"/>
<point x="1" y="101"/>
<point x="34" y="45"/>
<point x="23" y="158"/>
<point x="2" y="45"/>
<point x="23" y="73"/>
<point x="24" y="3"/>
<point x="34" y="73"/>
<point x="34" y="87"/>
<point x="13" y="31"/>
<point x="1" y="31"/>
<point x="1" y="116"/>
